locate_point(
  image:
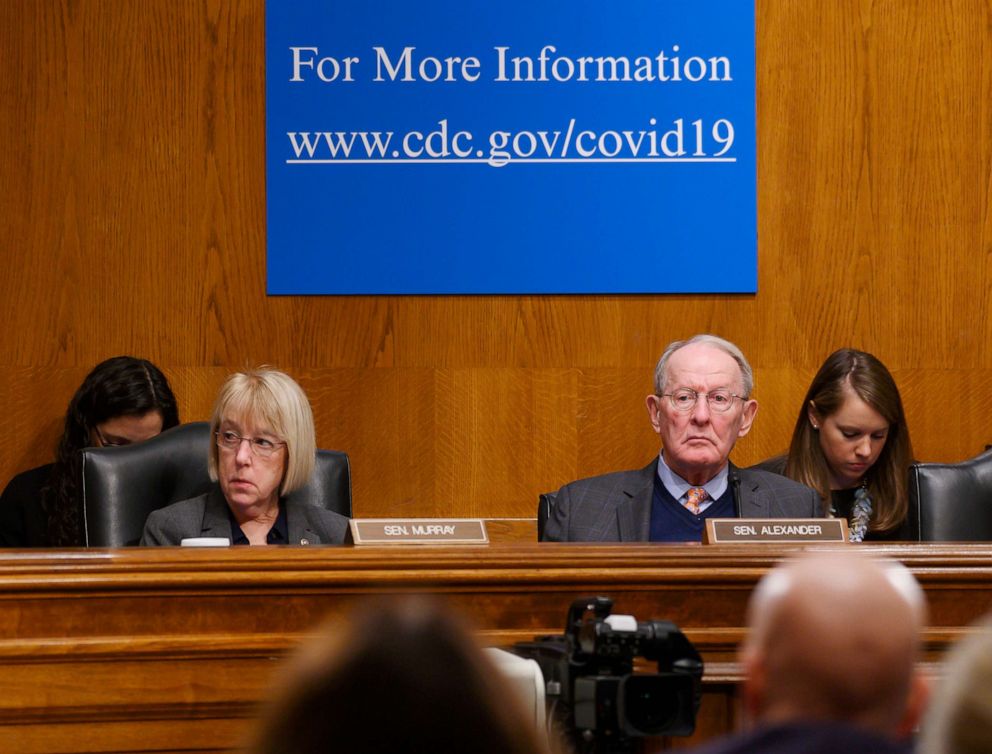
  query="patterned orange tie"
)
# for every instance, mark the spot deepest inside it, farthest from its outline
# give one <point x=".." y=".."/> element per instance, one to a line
<point x="695" y="497"/>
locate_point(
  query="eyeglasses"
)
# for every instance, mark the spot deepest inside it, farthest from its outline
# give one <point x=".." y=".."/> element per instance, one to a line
<point x="260" y="446"/>
<point x="684" y="399"/>
<point x="109" y="443"/>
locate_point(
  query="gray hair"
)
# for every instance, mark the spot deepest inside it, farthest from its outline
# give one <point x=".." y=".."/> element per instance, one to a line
<point x="661" y="371"/>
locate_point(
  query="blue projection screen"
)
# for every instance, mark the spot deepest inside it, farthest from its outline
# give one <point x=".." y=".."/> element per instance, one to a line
<point x="484" y="147"/>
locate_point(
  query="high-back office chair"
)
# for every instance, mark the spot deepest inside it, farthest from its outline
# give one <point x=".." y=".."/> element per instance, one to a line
<point x="952" y="502"/>
<point x="545" y="504"/>
<point x="121" y="486"/>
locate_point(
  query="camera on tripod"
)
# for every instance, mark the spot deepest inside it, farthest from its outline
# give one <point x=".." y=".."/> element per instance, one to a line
<point x="591" y="685"/>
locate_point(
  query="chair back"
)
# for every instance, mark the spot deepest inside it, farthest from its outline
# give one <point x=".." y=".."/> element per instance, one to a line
<point x="330" y="486"/>
<point x="545" y="504"/>
<point x="122" y="486"/>
<point x="952" y="502"/>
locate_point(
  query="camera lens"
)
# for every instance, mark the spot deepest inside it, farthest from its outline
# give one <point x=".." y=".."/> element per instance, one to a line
<point x="652" y="705"/>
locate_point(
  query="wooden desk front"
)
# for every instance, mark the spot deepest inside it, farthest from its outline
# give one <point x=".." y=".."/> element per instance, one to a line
<point x="171" y="649"/>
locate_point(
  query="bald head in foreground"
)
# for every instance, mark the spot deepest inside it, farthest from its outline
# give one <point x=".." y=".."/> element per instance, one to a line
<point x="830" y="657"/>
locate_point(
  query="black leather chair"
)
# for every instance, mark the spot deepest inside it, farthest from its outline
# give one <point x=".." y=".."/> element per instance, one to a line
<point x="121" y="486"/>
<point x="952" y="502"/>
<point x="545" y="504"/>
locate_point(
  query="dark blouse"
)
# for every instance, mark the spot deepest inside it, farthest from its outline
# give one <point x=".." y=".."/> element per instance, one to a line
<point x="278" y="534"/>
<point x="842" y="502"/>
<point x="22" y="519"/>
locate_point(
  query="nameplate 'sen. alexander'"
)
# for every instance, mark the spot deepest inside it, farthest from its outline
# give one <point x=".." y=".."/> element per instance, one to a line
<point x="721" y="531"/>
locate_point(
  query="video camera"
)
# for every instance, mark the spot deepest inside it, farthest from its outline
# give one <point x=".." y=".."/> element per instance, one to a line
<point x="591" y="686"/>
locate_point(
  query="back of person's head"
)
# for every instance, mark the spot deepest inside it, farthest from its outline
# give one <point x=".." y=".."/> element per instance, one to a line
<point x="835" y="637"/>
<point x="401" y="676"/>
<point x="848" y="371"/>
<point x="122" y="386"/>
<point x="959" y="720"/>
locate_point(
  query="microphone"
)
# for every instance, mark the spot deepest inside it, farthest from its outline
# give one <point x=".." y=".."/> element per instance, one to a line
<point x="735" y="486"/>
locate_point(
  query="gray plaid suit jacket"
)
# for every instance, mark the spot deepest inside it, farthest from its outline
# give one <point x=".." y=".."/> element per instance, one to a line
<point x="617" y="507"/>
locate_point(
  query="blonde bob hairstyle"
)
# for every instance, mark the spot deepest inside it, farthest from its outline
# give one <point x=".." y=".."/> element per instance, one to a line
<point x="269" y="399"/>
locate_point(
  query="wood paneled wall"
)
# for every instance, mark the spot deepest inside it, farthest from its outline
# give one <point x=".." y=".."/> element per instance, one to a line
<point x="132" y="220"/>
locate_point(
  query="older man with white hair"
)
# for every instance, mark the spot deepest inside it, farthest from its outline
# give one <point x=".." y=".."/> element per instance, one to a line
<point x="700" y="407"/>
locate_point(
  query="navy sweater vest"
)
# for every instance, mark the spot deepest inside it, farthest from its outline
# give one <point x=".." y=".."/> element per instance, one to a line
<point x="673" y="522"/>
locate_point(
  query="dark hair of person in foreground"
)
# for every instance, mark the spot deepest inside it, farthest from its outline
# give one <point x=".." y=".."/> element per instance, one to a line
<point x="120" y="387"/>
<point x="403" y="675"/>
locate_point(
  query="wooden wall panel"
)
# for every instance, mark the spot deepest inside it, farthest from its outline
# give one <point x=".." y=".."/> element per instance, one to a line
<point x="132" y="218"/>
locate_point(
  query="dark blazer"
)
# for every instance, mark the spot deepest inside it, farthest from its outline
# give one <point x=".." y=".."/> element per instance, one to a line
<point x="806" y="737"/>
<point x="617" y="507"/>
<point x="206" y="516"/>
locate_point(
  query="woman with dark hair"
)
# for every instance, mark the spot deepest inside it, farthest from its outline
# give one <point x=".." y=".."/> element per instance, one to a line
<point x="404" y="675"/>
<point x="851" y="444"/>
<point x="123" y="400"/>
